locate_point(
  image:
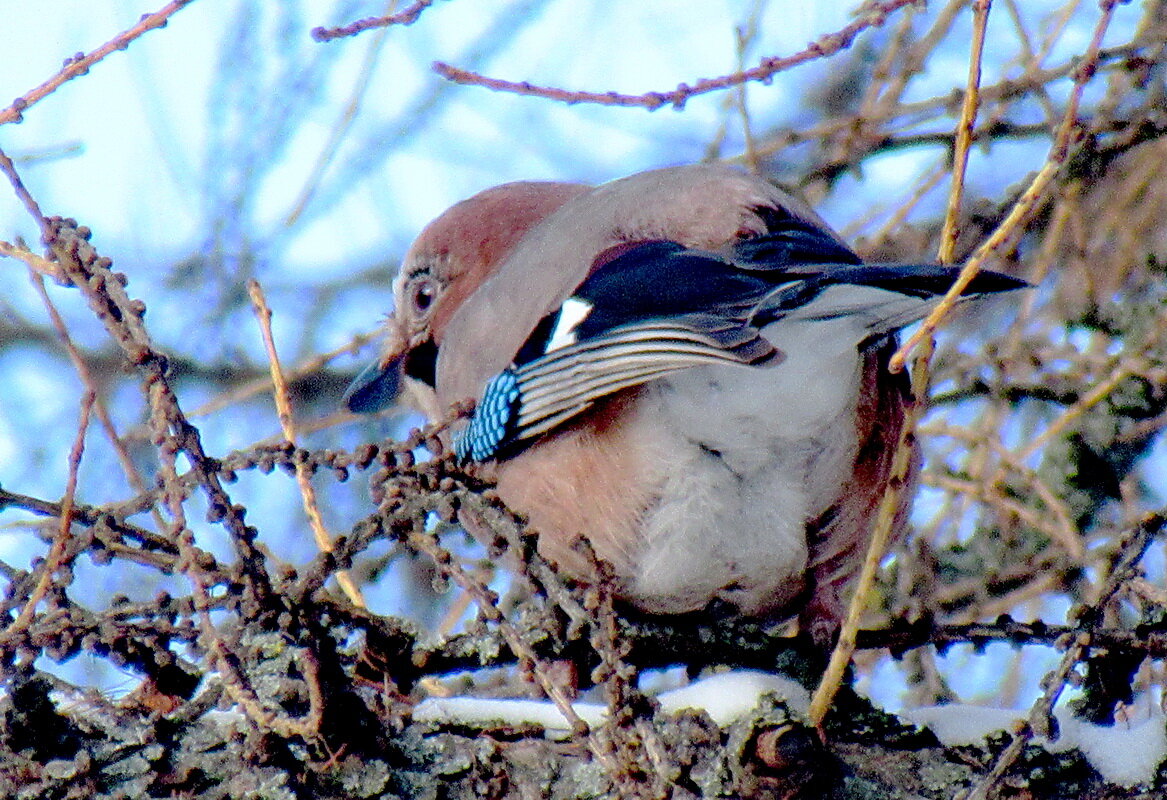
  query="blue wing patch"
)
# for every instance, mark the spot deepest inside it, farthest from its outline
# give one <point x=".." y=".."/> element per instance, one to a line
<point x="492" y="421"/>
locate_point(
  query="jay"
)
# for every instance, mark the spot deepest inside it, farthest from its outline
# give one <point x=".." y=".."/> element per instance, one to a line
<point x="687" y="367"/>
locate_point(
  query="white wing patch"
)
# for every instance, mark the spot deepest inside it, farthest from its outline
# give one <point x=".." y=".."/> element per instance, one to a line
<point x="571" y="314"/>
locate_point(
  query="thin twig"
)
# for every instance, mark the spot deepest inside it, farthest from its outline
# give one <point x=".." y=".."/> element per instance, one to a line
<point x="881" y="532"/>
<point x="344" y="124"/>
<point x="964" y="132"/>
<point x="1126" y="367"/>
<point x="1058" y="155"/>
<point x="873" y="16"/>
<point x="487" y="602"/>
<point x="406" y="16"/>
<point x="89" y="381"/>
<point x="80" y="63"/>
<point x="288" y="426"/>
<point x="38" y="264"/>
<point x="30" y="204"/>
<point x="889" y="507"/>
<point x="258" y="386"/>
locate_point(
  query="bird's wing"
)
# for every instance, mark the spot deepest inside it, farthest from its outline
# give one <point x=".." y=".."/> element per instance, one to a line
<point x="660" y="307"/>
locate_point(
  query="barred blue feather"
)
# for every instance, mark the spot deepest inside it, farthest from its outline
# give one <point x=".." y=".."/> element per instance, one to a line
<point x="493" y="420"/>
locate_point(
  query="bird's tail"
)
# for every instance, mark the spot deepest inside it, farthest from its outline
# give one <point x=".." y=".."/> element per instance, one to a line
<point x="878" y="298"/>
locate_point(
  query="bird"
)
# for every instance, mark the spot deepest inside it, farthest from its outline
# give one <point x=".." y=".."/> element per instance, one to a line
<point x="686" y="367"/>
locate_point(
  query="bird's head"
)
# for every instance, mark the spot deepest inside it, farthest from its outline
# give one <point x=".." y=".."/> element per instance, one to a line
<point x="451" y="258"/>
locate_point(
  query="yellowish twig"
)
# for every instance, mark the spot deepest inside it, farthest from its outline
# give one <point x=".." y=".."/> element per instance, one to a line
<point x="964" y="132"/>
<point x="889" y="505"/>
<point x="284" y="412"/>
<point x="1034" y="588"/>
<point x="1059" y="153"/>
<point x="1053" y="520"/>
<point x="261" y="385"/>
<point x="1123" y="370"/>
<point x="996" y="240"/>
<point x="38" y="264"/>
<point x="880" y="536"/>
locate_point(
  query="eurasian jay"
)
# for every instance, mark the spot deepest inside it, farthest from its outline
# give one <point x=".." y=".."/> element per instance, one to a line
<point x="686" y="366"/>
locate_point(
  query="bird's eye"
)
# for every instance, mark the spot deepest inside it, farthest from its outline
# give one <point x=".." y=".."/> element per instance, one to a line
<point x="423" y="296"/>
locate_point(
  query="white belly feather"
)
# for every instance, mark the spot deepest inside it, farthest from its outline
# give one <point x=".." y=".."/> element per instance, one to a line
<point x="747" y="457"/>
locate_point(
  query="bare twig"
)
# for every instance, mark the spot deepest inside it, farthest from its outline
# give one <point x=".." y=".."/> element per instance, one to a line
<point x="891" y="501"/>
<point x="1128" y="365"/>
<point x="964" y="131"/>
<point x="80" y="63"/>
<point x="288" y="426"/>
<point x="348" y="116"/>
<point x="90" y="383"/>
<point x="38" y="264"/>
<point x="873" y="15"/>
<point x="31" y="205"/>
<point x="407" y="16"/>
<point x="881" y="532"/>
<point x="487" y="602"/>
<point x="1028" y="201"/>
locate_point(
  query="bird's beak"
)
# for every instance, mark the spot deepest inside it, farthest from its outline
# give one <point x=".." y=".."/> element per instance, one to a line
<point x="375" y="388"/>
<point x="378" y="385"/>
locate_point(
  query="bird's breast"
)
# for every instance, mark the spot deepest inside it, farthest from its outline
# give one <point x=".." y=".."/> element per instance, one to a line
<point x="748" y="457"/>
